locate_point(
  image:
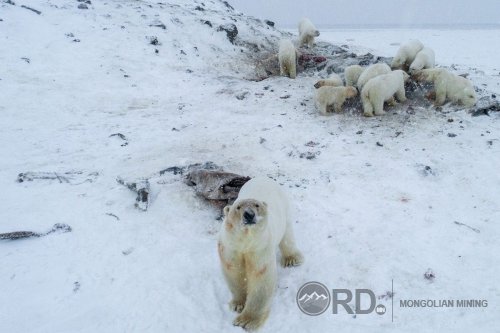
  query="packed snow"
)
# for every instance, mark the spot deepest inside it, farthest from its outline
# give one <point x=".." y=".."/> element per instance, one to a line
<point x="412" y="196"/>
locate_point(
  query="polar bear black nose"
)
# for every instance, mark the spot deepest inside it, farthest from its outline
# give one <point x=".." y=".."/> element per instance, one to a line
<point x="249" y="217"/>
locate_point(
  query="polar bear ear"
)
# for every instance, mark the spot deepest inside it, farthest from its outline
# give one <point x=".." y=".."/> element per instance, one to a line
<point x="226" y="210"/>
<point x="264" y="204"/>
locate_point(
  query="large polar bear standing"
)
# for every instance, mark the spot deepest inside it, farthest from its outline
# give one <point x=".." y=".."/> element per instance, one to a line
<point x="334" y="80"/>
<point x="372" y="71"/>
<point x="424" y="59"/>
<point x="287" y="58"/>
<point x="352" y="74"/>
<point x="307" y="32"/>
<point x="382" y="88"/>
<point x="406" y="54"/>
<point x="336" y="96"/>
<point x="448" y="86"/>
<point x="255" y="225"/>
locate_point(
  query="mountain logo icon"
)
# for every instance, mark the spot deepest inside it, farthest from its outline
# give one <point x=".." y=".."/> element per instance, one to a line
<point x="313" y="298"/>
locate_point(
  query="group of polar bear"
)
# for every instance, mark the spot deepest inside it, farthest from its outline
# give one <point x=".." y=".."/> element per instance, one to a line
<point x="258" y="222"/>
<point x="378" y="83"/>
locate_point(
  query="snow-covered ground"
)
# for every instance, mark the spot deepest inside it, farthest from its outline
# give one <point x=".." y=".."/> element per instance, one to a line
<point x="365" y="213"/>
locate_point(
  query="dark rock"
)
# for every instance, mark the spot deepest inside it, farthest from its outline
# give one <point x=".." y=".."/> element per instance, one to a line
<point x="153" y="40"/>
<point x="379" y="144"/>
<point x="269" y="23"/>
<point x="242" y="95"/>
<point x="207" y="23"/>
<point x="429" y="275"/>
<point x="227" y="5"/>
<point x="199" y="8"/>
<point x="70" y="177"/>
<point x="231" y="31"/>
<point x="451" y="135"/>
<point x="83" y="6"/>
<point x="141" y="188"/>
<point x="58" y="227"/>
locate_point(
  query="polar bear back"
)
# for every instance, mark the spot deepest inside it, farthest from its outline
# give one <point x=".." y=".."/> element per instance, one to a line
<point x="424" y="59"/>
<point x="306" y="27"/>
<point x="352" y="74"/>
<point x="307" y="32"/>
<point x="384" y="86"/>
<point x="372" y="71"/>
<point x="407" y="53"/>
<point x="268" y="191"/>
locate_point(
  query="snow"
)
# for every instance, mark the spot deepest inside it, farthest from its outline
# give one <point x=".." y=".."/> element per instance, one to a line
<point x="365" y="213"/>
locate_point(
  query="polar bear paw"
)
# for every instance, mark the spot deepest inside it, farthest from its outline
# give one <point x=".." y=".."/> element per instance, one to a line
<point x="250" y="322"/>
<point x="237" y="305"/>
<point x="294" y="259"/>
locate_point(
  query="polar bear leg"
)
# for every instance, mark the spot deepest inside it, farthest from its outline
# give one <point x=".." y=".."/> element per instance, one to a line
<point x="337" y="107"/>
<point x="292" y="71"/>
<point x="260" y="291"/>
<point x="378" y="107"/>
<point x="392" y="101"/>
<point x="290" y="255"/>
<point x="367" y="107"/>
<point x="400" y="95"/>
<point x="323" y="108"/>
<point x="440" y="94"/>
<point x="237" y="286"/>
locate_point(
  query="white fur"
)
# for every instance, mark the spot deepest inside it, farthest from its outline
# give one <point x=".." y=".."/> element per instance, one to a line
<point x="336" y="96"/>
<point x="248" y="252"/>
<point x="334" y="80"/>
<point x="448" y="86"/>
<point x="307" y="32"/>
<point x="406" y="54"/>
<point x="287" y="58"/>
<point x="424" y="59"/>
<point x="372" y="71"/>
<point x="352" y="74"/>
<point x="382" y="88"/>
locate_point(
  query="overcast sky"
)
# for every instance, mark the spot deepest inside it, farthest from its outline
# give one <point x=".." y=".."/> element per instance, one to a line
<point x="363" y="12"/>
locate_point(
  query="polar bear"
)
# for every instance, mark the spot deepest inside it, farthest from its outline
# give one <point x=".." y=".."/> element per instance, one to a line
<point x="255" y="225"/>
<point x="382" y="88"/>
<point x="307" y="32"/>
<point x="406" y="54"/>
<point x="372" y="71"/>
<point x="448" y="86"/>
<point x="424" y="59"/>
<point x="336" y="96"/>
<point x="352" y="74"/>
<point x="287" y="58"/>
<point x="334" y="80"/>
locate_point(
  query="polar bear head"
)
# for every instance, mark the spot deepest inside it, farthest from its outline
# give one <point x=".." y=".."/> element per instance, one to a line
<point x="245" y="215"/>
<point x="351" y="92"/>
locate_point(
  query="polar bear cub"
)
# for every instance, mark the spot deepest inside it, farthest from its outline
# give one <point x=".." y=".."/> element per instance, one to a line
<point x="448" y="86"/>
<point x="255" y="225"/>
<point x="382" y="88"/>
<point x="424" y="59"/>
<point x="406" y="54"/>
<point x="351" y="74"/>
<point x="336" y="96"/>
<point x="372" y="71"/>
<point x="307" y="32"/>
<point x="334" y="80"/>
<point x="287" y="58"/>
